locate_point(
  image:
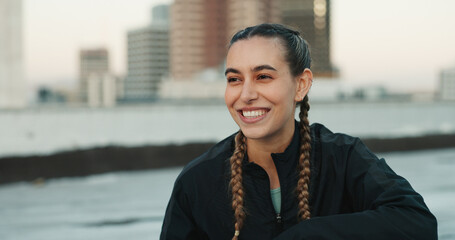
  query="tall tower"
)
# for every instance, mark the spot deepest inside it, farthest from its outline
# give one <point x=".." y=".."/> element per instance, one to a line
<point x="312" y="19"/>
<point x="198" y="36"/>
<point x="12" y="80"/>
<point x="148" y="57"/>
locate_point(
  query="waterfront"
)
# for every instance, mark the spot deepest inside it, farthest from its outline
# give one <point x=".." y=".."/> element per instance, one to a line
<point x="48" y="130"/>
<point x="130" y="205"/>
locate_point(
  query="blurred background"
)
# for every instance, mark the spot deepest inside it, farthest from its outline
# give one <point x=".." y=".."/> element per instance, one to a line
<point x="102" y="102"/>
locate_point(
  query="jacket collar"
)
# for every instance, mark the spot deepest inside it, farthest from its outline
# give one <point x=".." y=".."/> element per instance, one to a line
<point x="285" y="161"/>
<point x="292" y="150"/>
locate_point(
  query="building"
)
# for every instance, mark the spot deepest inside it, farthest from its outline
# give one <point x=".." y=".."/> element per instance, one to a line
<point x="241" y="15"/>
<point x="148" y="57"/>
<point x="101" y="90"/>
<point x="447" y="84"/>
<point x="201" y="30"/>
<point x="94" y="64"/>
<point x="12" y="80"/>
<point x="198" y="37"/>
<point x="312" y="19"/>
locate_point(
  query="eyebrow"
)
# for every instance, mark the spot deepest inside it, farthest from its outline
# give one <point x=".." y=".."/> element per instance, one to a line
<point x="256" y="69"/>
<point x="231" y="70"/>
<point x="262" y="67"/>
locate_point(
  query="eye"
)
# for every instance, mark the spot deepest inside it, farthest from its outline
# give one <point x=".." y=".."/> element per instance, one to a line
<point x="233" y="79"/>
<point x="263" y="76"/>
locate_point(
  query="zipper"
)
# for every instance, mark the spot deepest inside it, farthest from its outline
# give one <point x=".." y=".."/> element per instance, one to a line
<point x="279" y="222"/>
<point x="278" y="218"/>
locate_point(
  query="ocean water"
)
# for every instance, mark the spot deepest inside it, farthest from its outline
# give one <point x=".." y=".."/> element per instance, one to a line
<point x="47" y="130"/>
<point x="131" y="205"/>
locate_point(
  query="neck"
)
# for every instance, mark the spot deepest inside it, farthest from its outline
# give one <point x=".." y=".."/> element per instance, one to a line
<point x="260" y="150"/>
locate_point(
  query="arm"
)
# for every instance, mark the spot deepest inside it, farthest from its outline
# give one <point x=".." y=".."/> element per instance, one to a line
<point x="385" y="206"/>
<point x="178" y="222"/>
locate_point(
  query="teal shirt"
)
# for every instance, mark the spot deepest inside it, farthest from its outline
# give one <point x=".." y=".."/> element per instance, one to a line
<point x="276" y="199"/>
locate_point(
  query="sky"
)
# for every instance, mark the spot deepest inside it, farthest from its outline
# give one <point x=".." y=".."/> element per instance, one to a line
<point x="400" y="44"/>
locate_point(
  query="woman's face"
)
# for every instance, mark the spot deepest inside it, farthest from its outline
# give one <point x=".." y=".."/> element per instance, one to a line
<point x="261" y="92"/>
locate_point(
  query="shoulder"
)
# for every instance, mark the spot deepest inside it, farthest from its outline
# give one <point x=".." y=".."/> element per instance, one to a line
<point x="322" y="136"/>
<point x="338" y="146"/>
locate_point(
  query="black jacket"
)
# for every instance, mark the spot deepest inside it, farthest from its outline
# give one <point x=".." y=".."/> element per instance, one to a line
<point x="353" y="195"/>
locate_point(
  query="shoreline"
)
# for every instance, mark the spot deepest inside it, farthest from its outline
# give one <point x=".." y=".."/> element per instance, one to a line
<point x="99" y="160"/>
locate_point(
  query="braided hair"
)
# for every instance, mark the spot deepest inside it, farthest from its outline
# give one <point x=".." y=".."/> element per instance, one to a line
<point x="298" y="57"/>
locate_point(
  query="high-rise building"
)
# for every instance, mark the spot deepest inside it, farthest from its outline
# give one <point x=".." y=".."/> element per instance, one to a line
<point x="245" y="13"/>
<point x="12" y="80"/>
<point x="92" y="62"/>
<point x="312" y="19"/>
<point x="201" y="30"/>
<point x="198" y="36"/>
<point x="447" y="84"/>
<point x="160" y="14"/>
<point x="148" y="57"/>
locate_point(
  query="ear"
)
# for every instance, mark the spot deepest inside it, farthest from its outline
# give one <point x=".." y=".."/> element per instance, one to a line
<point x="304" y="82"/>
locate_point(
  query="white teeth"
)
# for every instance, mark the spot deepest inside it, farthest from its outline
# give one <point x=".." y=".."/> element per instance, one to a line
<point x="253" y="114"/>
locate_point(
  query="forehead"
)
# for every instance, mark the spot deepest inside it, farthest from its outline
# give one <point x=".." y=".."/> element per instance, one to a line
<point x="256" y="51"/>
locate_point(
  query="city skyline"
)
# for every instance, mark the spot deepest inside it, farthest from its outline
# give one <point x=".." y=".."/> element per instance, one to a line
<point x="402" y="45"/>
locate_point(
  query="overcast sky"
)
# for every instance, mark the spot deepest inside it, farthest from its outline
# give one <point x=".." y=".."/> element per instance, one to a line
<point x="402" y="44"/>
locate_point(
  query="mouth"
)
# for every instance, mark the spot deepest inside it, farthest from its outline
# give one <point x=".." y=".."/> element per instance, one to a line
<point x="253" y="115"/>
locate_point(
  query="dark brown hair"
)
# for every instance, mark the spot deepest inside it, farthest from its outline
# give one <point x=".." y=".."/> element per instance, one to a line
<point x="298" y="58"/>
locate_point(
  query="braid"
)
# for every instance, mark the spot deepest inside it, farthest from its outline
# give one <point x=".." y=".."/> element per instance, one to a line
<point x="304" y="161"/>
<point x="236" y="182"/>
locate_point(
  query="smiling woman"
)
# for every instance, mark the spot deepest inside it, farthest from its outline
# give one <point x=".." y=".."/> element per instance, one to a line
<point x="282" y="179"/>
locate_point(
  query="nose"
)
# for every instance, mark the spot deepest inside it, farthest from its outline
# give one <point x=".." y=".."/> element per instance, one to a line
<point x="249" y="91"/>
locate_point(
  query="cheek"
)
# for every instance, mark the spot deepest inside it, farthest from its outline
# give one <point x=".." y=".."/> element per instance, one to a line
<point x="284" y="100"/>
<point x="281" y="95"/>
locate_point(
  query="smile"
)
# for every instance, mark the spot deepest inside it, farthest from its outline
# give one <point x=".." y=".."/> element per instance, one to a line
<point x="253" y="115"/>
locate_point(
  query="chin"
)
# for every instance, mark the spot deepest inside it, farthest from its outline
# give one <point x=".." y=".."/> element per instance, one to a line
<point x="254" y="132"/>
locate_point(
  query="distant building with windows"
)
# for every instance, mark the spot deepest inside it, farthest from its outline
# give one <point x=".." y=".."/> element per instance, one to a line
<point x="97" y="85"/>
<point x="91" y="61"/>
<point x="201" y="30"/>
<point x="312" y="19"/>
<point x="101" y="91"/>
<point x="198" y="37"/>
<point x="447" y="84"/>
<point x="240" y="14"/>
<point x="12" y="79"/>
<point x="148" y="57"/>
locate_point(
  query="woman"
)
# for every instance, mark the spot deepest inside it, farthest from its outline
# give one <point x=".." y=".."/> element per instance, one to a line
<point x="281" y="179"/>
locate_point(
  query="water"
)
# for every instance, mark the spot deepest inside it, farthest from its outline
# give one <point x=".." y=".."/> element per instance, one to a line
<point x="47" y="130"/>
<point x="131" y="205"/>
